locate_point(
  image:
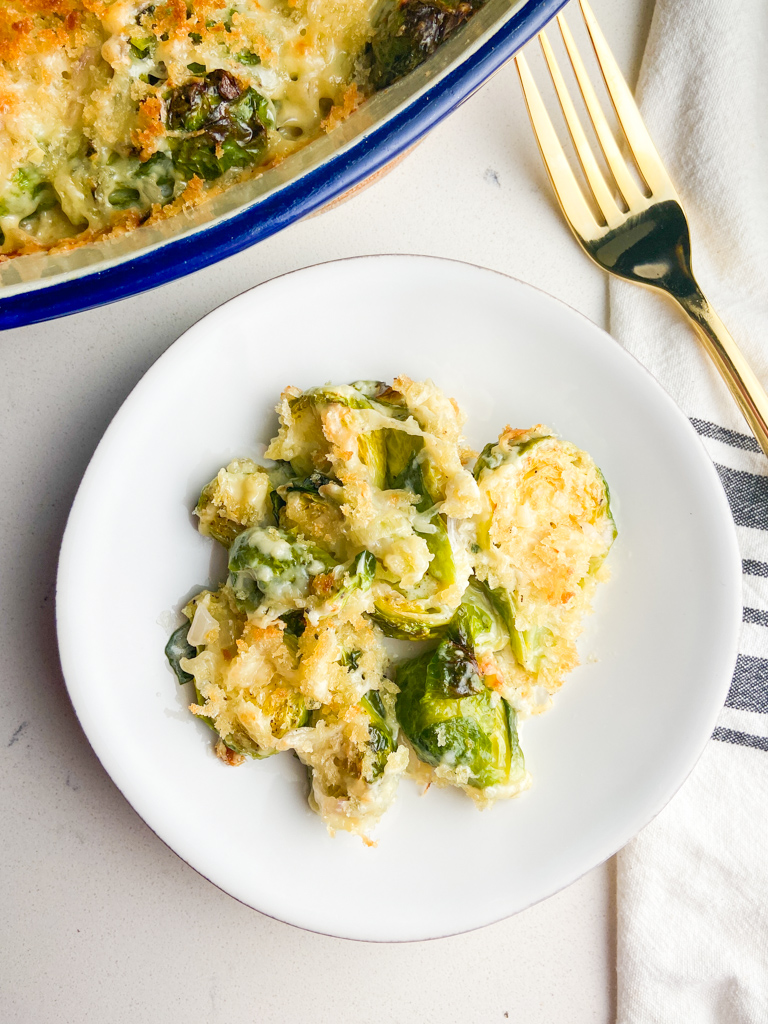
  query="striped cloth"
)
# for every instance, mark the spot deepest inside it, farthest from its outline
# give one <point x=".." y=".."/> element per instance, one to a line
<point x="692" y="889"/>
<point x="744" y="719"/>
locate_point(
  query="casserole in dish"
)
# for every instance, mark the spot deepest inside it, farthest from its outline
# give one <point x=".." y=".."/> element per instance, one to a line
<point x="40" y="285"/>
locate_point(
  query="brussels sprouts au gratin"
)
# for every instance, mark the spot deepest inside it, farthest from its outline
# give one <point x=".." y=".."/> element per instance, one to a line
<point x="114" y="112"/>
<point x="375" y="519"/>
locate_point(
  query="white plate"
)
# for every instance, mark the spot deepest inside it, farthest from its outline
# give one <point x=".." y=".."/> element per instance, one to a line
<point x="624" y="732"/>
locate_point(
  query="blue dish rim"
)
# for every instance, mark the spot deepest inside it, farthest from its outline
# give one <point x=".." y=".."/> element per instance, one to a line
<point x="297" y="199"/>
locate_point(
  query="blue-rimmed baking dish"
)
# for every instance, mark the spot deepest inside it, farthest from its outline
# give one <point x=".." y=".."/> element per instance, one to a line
<point x="43" y="286"/>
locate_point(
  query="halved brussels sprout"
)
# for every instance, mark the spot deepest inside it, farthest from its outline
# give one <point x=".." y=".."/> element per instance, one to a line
<point x="229" y="692"/>
<point x="301" y="440"/>
<point x="545" y="529"/>
<point x="404" y="618"/>
<point x="217" y="125"/>
<point x="353" y="762"/>
<point x="236" y="498"/>
<point x="455" y="723"/>
<point x="311" y="506"/>
<point x="530" y="645"/>
<point x="478" y="622"/>
<point x="410" y="613"/>
<point x="274" y="567"/>
<point x="406" y="32"/>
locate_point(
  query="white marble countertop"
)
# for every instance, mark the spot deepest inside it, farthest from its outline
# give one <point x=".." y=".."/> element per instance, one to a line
<point x="101" y="921"/>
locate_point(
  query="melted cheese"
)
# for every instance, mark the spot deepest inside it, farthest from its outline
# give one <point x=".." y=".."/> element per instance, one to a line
<point x="84" y="86"/>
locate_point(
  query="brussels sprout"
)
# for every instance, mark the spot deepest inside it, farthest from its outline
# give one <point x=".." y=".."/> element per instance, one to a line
<point x="410" y="619"/>
<point x="219" y="125"/>
<point x="493" y="455"/>
<point x="359" y="575"/>
<point x="286" y="708"/>
<point x="478" y="622"/>
<point x="525" y="469"/>
<point x="271" y="567"/>
<point x="179" y="647"/>
<point x="372" y="450"/>
<point x="235" y="499"/>
<point x="311" y="506"/>
<point x="159" y="168"/>
<point x="381" y="741"/>
<point x="383" y="397"/>
<point x="274" y="567"/>
<point x="307" y="444"/>
<point x="405" y="615"/>
<point x="454" y="721"/>
<point x="530" y="645"/>
<point x="597" y="560"/>
<point x="342" y="394"/>
<point x="406" y="32"/>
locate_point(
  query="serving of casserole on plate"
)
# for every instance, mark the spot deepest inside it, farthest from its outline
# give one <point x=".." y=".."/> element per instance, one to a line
<point x="374" y="518"/>
<point x="623" y="732"/>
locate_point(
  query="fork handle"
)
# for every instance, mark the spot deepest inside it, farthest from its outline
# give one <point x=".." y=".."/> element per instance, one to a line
<point x="727" y="357"/>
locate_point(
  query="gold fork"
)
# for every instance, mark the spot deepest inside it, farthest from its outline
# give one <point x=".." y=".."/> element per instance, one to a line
<point x="649" y="243"/>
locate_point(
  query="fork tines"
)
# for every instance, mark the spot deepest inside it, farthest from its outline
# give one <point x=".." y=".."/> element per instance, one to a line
<point x="648" y="162"/>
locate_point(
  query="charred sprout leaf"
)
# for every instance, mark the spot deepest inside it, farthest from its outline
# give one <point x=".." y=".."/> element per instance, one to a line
<point x="452" y="719"/>
<point x="295" y="623"/>
<point x="308" y="484"/>
<point x="217" y="125"/>
<point x="380" y="738"/>
<point x="179" y="647"/>
<point x="406" y="32"/>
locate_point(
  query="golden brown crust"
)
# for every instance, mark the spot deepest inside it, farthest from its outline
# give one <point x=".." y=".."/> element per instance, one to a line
<point x="84" y="90"/>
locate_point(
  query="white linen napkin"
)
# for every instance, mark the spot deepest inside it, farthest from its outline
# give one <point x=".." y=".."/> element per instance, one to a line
<point x="692" y="889"/>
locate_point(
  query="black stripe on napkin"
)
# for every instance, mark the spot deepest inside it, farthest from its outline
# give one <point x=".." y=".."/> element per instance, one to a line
<point x="743" y="739"/>
<point x="750" y="567"/>
<point x="749" y="686"/>
<point x="756" y="616"/>
<point x="747" y="495"/>
<point x="744" y="441"/>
